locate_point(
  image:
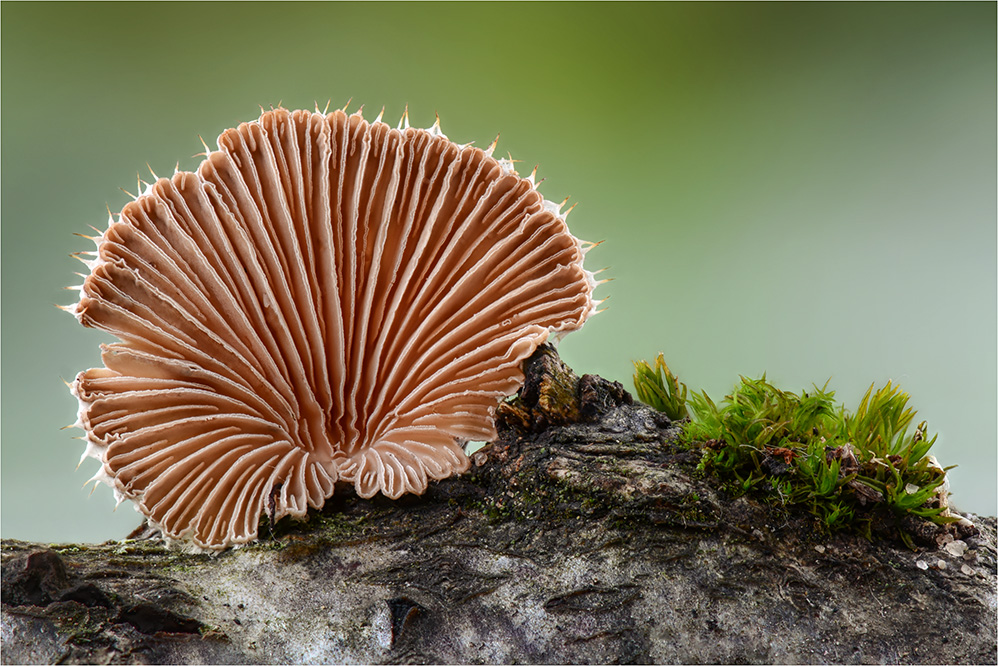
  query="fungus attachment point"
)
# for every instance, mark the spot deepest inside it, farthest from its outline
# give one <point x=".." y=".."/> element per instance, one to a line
<point x="324" y="300"/>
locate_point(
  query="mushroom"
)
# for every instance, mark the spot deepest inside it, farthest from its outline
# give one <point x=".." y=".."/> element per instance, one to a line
<point x="324" y="300"/>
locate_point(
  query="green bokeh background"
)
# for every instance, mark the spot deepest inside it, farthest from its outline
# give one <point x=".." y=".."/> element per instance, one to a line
<point x="806" y="190"/>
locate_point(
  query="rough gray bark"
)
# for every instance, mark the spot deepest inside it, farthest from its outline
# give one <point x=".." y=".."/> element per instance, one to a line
<point x="582" y="535"/>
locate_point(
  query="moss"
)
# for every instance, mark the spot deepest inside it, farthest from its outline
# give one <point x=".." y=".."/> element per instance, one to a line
<point x="851" y="470"/>
<point x="658" y="387"/>
<point x="64" y="550"/>
<point x="531" y="495"/>
<point x="690" y="510"/>
<point x="337" y="527"/>
<point x="80" y="625"/>
<point x="337" y="523"/>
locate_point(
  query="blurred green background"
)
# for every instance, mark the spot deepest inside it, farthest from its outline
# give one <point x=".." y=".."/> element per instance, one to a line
<point x="806" y="190"/>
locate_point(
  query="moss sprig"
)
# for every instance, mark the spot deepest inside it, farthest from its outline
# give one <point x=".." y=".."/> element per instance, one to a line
<point x="658" y="387"/>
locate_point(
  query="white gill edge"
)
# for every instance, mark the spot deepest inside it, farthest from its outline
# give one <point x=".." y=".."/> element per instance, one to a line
<point x="508" y="165"/>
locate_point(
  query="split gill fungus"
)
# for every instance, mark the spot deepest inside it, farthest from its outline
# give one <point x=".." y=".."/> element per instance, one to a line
<point x="325" y="300"/>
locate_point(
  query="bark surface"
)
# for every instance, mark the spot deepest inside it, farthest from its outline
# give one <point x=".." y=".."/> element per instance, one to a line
<point x="584" y="535"/>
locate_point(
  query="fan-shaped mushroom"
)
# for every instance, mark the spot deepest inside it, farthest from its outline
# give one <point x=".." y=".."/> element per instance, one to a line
<point x="324" y="300"/>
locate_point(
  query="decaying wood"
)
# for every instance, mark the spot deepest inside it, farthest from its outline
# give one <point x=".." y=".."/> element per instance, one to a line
<point x="583" y="535"/>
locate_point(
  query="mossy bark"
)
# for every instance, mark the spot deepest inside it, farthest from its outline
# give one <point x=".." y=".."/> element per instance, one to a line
<point x="584" y="534"/>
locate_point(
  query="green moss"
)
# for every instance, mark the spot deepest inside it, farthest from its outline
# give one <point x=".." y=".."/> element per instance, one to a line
<point x="338" y="527"/>
<point x="322" y="530"/>
<point x="532" y="497"/>
<point x="802" y="449"/>
<point x="658" y="387"/>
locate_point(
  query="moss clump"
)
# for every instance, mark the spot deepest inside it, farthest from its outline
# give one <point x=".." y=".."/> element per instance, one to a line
<point x="848" y="468"/>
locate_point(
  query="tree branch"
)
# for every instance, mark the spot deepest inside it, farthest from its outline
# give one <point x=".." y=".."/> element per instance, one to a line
<point x="583" y="535"/>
